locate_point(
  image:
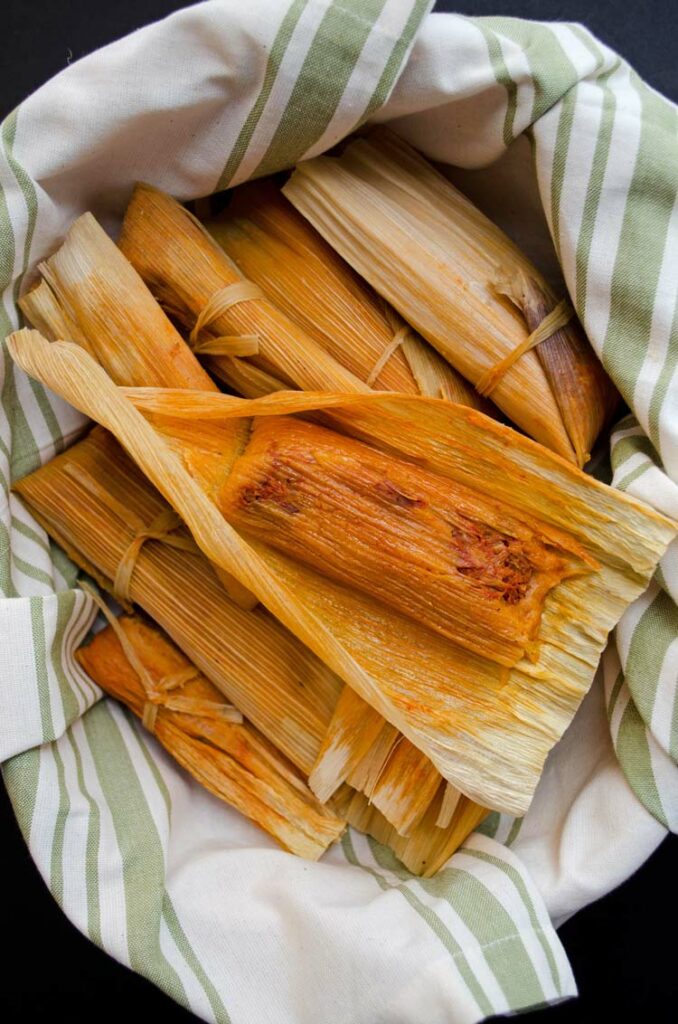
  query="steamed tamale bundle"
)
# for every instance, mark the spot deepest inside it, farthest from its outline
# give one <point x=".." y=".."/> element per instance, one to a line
<point x="467" y="712"/>
<point x="97" y="505"/>
<point x="278" y="249"/>
<point x="139" y="666"/>
<point x="456" y="278"/>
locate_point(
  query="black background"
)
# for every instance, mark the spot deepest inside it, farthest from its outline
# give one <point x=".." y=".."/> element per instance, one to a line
<point x="622" y="949"/>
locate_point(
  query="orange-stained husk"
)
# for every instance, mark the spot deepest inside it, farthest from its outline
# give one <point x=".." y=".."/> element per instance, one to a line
<point x="232" y="760"/>
<point x="433" y="550"/>
<point x="93" y="501"/>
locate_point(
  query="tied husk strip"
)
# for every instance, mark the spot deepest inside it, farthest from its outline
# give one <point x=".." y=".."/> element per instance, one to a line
<point x="435" y="257"/>
<point x="158" y="690"/>
<point x="93" y="501"/>
<point x="230" y="759"/>
<point x="486" y="731"/>
<point x="276" y="248"/>
<point x="584" y="394"/>
<point x="427" y="848"/>
<point x="185" y="268"/>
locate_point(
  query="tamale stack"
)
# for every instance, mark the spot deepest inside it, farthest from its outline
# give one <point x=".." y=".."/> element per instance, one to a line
<point x="135" y="663"/>
<point x="96" y="504"/>
<point x="456" y="278"/>
<point x="468" y="713"/>
<point x="90" y="292"/>
<point x="278" y="249"/>
<point x="460" y="578"/>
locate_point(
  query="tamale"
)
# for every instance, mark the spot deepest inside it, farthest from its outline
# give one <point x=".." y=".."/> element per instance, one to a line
<point x="278" y="249"/>
<point x="231" y="759"/>
<point x="186" y="269"/>
<point x="92" y="274"/>
<point x="430" y="549"/>
<point x="487" y="730"/>
<point x="457" y="279"/>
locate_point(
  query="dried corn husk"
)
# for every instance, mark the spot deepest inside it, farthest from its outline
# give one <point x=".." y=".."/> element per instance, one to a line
<point x="232" y="759"/>
<point x="439" y="553"/>
<point x="185" y="269"/>
<point x="485" y="729"/>
<point x="279" y="250"/>
<point x="444" y="266"/>
<point x="426" y="848"/>
<point x="306" y="279"/>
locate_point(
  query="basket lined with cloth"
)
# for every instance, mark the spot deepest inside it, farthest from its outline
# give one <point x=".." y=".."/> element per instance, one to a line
<point x="141" y="859"/>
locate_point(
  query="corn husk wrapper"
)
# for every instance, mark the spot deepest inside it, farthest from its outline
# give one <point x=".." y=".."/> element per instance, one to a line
<point x="426" y="848"/>
<point x="92" y="295"/>
<point x="278" y="249"/>
<point x="231" y="759"/>
<point x="458" y="280"/>
<point x="487" y="730"/>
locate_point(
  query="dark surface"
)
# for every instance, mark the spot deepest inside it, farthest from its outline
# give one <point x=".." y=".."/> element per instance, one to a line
<point x="622" y="949"/>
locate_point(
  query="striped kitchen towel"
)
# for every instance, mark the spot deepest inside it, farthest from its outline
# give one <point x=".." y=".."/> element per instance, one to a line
<point x="148" y="865"/>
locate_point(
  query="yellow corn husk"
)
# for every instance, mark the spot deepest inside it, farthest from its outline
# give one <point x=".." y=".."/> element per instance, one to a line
<point x="100" y="301"/>
<point x="231" y="759"/>
<point x="277" y="249"/>
<point x="360" y="748"/>
<point x="94" y="501"/>
<point x="427" y="847"/>
<point x="487" y="730"/>
<point x="185" y="269"/>
<point x="448" y="806"/>
<point x="444" y="266"/>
